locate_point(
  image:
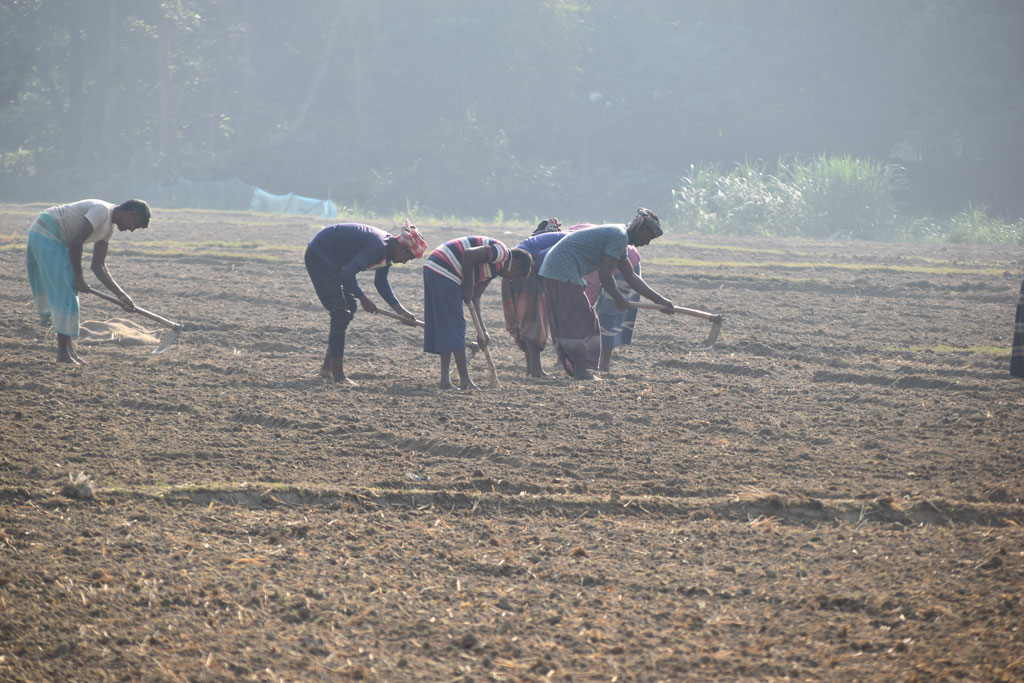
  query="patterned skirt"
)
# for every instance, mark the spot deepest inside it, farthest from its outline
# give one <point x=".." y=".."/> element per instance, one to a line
<point x="1017" y="357"/>
<point x="575" y="329"/>
<point x="444" y="322"/>
<point x="617" y="325"/>
<point x="52" y="280"/>
<point x="522" y="302"/>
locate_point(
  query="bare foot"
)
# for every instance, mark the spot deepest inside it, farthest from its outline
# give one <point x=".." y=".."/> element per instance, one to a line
<point x="540" y="374"/>
<point x="583" y="374"/>
<point x="68" y="359"/>
<point x="469" y="386"/>
<point x="345" y="380"/>
<point x="446" y="384"/>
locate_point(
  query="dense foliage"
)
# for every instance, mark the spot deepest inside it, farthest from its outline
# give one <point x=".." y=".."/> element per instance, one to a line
<point x="535" y="107"/>
<point x="826" y="197"/>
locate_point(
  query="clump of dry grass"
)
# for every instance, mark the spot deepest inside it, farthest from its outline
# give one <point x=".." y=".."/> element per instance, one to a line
<point x="748" y="494"/>
<point x="80" y="487"/>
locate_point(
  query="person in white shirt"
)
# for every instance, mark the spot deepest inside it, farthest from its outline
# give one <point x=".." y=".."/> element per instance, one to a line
<point x="54" y="260"/>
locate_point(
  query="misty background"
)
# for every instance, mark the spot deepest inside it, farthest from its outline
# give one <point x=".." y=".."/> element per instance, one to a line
<point x="584" y="110"/>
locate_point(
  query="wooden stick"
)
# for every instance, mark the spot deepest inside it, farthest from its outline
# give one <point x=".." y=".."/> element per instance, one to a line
<point x="392" y="314"/>
<point x="487" y="351"/>
<point x="678" y="309"/>
<point x="141" y="311"/>
<point x="472" y="346"/>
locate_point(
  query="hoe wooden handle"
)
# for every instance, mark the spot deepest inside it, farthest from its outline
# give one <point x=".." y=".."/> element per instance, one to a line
<point x="392" y="314"/>
<point x="141" y="311"/>
<point x="714" y="317"/>
<point x="419" y="323"/>
<point x="487" y="352"/>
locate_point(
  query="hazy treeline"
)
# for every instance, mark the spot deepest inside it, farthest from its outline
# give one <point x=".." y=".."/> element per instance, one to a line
<point x="583" y="109"/>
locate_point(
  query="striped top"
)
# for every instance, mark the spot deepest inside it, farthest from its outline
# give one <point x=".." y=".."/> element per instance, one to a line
<point x="446" y="260"/>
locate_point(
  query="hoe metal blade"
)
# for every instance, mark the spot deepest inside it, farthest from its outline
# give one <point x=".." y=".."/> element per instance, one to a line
<point x="716" y="328"/>
<point x="167" y="340"/>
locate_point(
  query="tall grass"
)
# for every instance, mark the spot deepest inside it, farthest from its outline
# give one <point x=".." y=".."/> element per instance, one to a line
<point x="841" y="196"/>
<point x="828" y="196"/>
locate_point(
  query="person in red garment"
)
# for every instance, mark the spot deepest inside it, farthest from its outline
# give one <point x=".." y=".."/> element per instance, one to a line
<point x="522" y="300"/>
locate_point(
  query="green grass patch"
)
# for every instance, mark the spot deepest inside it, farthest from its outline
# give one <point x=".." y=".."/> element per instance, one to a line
<point x="216" y="244"/>
<point x="662" y="242"/>
<point x="972" y="350"/>
<point x="800" y="265"/>
<point x="207" y="253"/>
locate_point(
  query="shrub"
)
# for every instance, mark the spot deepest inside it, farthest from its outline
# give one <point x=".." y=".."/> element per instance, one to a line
<point x="844" y="197"/>
<point x="825" y="197"/>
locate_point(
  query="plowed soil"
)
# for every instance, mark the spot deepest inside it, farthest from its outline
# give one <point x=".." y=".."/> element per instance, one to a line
<point x="834" y="492"/>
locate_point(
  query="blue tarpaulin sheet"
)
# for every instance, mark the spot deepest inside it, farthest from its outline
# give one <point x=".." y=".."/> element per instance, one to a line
<point x="232" y="195"/>
<point x="291" y="203"/>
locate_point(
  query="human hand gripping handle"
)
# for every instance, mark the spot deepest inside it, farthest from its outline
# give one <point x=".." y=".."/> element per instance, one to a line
<point x="368" y="305"/>
<point x="487" y="352"/>
<point x="126" y="302"/>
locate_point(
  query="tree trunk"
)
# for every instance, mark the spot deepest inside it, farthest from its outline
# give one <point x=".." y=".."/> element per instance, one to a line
<point x="110" y="82"/>
<point x="325" y="62"/>
<point x="164" y="125"/>
<point x="73" y="114"/>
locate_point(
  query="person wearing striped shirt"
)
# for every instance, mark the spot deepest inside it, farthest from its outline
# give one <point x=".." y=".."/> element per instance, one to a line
<point x="459" y="271"/>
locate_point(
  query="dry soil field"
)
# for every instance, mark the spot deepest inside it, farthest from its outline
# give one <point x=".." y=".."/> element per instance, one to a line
<point x="835" y="492"/>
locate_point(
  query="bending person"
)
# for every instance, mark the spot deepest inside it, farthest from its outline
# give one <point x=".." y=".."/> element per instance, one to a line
<point x="54" y="260"/>
<point x="1017" y="354"/>
<point x="522" y="300"/>
<point x="334" y="256"/>
<point x="575" y="328"/>
<point x="616" y="324"/>
<point x="459" y="271"/>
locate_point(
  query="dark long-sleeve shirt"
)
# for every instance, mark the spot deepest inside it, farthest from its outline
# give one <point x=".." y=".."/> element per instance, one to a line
<point x="538" y="246"/>
<point x="350" y="248"/>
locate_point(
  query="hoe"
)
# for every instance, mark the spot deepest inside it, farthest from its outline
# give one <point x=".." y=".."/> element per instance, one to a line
<point x="167" y="339"/>
<point x="715" y="318"/>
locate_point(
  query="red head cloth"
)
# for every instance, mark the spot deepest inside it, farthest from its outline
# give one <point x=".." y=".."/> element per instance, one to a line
<point x="411" y="240"/>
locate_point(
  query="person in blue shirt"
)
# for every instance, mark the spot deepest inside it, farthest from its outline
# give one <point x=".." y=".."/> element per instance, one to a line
<point x="522" y="299"/>
<point x="575" y="328"/>
<point x="334" y="256"/>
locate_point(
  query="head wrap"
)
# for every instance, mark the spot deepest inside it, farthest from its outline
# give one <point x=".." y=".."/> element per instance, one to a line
<point x="648" y="218"/>
<point x="547" y="225"/>
<point x="410" y="239"/>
